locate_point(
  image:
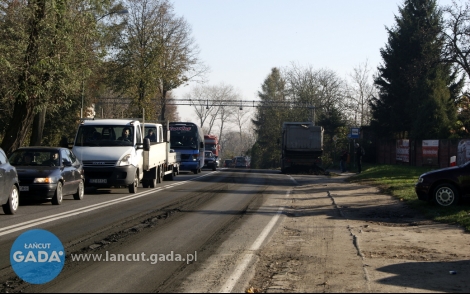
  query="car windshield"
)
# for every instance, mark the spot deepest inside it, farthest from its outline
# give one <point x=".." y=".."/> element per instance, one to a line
<point x="31" y="157"/>
<point x="106" y="135"/>
<point x="209" y="154"/>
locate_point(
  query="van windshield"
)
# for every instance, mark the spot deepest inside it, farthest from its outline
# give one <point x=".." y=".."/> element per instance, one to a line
<point x="105" y="135"/>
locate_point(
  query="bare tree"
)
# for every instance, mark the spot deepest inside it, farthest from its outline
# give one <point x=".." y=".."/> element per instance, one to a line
<point x="200" y="95"/>
<point x="212" y="103"/>
<point x="178" y="56"/>
<point x="157" y="55"/>
<point x="360" y="94"/>
<point x="457" y="35"/>
<point x="241" y="118"/>
<point x="321" y="89"/>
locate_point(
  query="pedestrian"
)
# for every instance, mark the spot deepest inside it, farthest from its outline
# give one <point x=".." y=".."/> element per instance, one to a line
<point x="342" y="160"/>
<point x="359" y="154"/>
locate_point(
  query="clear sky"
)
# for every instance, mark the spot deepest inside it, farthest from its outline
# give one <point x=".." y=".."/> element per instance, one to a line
<point x="241" y="40"/>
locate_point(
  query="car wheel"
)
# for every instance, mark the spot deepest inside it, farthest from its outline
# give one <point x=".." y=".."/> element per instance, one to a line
<point x="58" y="197"/>
<point x="11" y="207"/>
<point x="135" y="184"/>
<point x="80" y="191"/>
<point x="214" y="168"/>
<point x="446" y="195"/>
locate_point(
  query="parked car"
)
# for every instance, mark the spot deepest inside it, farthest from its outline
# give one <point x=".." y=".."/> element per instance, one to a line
<point x="227" y="162"/>
<point x="446" y="186"/>
<point x="48" y="173"/>
<point x="9" y="186"/>
<point x="209" y="160"/>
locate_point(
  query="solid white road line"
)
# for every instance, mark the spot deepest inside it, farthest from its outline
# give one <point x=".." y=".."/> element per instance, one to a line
<point x="240" y="269"/>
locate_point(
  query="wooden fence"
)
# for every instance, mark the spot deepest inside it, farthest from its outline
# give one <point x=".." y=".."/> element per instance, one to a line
<point x="385" y="152"/>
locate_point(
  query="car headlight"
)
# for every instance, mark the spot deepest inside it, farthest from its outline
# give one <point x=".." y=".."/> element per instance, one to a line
<point x="50" y="180"/>
<point x="126" y="160"/>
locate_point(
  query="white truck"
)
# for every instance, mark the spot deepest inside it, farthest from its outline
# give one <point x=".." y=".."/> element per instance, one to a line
<point x="115" y="153"/>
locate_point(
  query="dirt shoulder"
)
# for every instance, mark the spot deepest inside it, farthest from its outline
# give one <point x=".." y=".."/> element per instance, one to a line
<point x="346" y="237"/>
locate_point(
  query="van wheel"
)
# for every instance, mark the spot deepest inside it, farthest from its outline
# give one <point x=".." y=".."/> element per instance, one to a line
<point x="11" y="207"/>
<point x="58" y="197"/>
<point x="135" y="184"/>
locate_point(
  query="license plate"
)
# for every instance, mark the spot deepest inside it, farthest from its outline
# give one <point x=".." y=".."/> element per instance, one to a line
<point x="24" y="188"/>
<point x="98" y="181"/>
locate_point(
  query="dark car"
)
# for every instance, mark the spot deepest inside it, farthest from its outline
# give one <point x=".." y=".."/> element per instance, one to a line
<point x="446" y="186"/>
<point x="209" y="160"/>
<point x="240" y="161"/>
<point x="227" y="162"/>
<point x="9" y="187"/>
<point x="48" y="173"/>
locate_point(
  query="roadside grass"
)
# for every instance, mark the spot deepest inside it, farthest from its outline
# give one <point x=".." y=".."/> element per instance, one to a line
<point x="399" y="181"/>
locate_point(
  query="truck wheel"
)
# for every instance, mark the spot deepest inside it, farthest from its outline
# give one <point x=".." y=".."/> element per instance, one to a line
<point x="145" y="183"/>
<point x="159" y="178"/>
<point x="135" y="184"/>
<point x="153" y="183"/>
<point x="58" y="197"/>
<point x="170" y="177"/>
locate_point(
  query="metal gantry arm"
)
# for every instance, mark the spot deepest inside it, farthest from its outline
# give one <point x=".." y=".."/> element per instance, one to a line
<point x="238" y="103"/>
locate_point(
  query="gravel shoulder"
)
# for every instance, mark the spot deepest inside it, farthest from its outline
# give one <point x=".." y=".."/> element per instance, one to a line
<point x="338" y="236"/>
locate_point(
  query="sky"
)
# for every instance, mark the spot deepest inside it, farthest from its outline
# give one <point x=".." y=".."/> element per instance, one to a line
<point x="242" y="40"/>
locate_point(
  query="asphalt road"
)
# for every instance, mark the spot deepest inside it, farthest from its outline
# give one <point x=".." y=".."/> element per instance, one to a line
<point x="185" y="235"/>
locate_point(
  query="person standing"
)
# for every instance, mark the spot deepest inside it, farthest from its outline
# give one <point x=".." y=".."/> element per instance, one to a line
<point x="359" y="154"/>
<point x="342" y="160"/>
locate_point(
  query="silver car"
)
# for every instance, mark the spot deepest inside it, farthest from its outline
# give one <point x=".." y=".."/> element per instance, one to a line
<point x="9" y="187"/>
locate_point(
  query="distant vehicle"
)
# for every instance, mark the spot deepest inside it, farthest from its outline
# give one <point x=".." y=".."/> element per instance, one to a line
<point x="445" y="186"/>
<point x="211" y="143"/>
<point x="187" y="139"/>
<point x="9" y="185"/>
<point x="44" y="176"/>
<point x="227" y="162"/>
<point x="210" y="161"/>
<point x="301" y="147"/>
<point x="241" y="161"/>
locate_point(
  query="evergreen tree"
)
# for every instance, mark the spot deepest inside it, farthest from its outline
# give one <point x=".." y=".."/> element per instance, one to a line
<point x="268" y="120"/>
<point x="417" y="91"/>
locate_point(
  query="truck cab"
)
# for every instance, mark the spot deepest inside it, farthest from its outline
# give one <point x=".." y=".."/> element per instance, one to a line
<point x="111" y="151"/>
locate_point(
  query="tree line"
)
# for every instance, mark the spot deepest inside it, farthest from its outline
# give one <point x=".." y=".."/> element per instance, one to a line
<point x="417" y="92"/>
<point x="60" y="57"/>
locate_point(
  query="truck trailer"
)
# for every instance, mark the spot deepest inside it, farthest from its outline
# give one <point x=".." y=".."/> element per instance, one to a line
<point x="301" y="147"/>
